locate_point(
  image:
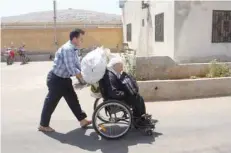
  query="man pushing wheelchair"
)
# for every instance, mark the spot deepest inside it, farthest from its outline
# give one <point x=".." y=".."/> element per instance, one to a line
<point x="122" y="103"/>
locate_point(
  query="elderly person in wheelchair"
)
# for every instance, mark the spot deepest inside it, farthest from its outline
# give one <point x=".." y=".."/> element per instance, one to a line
<point x="117" y="87"/>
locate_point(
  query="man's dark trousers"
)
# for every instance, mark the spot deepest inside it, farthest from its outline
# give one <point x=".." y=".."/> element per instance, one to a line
<point x="60" y="87"/>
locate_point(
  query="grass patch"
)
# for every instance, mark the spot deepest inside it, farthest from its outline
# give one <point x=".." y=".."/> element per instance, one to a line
<point x="218" y="70"/>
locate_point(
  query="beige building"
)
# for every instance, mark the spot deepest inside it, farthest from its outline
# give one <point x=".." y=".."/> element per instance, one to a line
<point x="186" y="31"/>
<point x="36" y="30"/>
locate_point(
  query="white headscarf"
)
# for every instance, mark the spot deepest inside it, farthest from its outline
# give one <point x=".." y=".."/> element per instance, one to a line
<point x="112" y="62"/>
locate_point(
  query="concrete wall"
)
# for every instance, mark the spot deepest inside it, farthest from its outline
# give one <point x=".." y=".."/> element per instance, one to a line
<point x="150" y="68"/>
<point x="42" y="40"/>
<point x="146" y="36"/>
<point x="184" y="89"/>
<point x="193" y="32"/>
<point x="187" y="30"/>
<point x="165" y="48"/>
<point x="143" y="37"/>
<point x="160" y="68"/>
<point x="132" y="13"/>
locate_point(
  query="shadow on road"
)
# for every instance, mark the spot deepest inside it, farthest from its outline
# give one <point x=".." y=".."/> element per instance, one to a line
<point x="93" y="142"/>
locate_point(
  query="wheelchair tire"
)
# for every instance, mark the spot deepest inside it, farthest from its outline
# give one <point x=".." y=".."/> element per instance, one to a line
<point x="96" y="103"/>
<point x="95" y="106"/>
<point x="107" y="103"/>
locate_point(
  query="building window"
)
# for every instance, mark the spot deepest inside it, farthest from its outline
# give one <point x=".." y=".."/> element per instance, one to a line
<point x="221" y="26"/>
<point x="129" y="32"/>
<point x="159" y="27"/>
<point x="143" y="22"/>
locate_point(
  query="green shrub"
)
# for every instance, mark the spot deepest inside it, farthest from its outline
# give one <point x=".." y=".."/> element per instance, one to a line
<point x="218" y="70"/>
<point x="130" y="66"/>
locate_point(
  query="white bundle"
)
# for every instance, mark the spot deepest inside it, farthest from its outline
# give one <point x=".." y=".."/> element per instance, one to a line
<point x="93" y="65"/>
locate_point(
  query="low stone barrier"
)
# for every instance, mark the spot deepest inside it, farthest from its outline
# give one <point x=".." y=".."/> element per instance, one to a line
<point x="185" y="88"/>
<point x="163" y="68"/>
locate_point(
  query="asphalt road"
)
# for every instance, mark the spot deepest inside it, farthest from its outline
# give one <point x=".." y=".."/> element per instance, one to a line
<point x="190" y="126"/>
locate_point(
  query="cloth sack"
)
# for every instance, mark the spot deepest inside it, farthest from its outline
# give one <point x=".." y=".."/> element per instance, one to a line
<point x="93" y="65"/>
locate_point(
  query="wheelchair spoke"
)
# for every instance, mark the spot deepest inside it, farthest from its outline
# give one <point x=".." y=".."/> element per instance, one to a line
<point x="124" y="120"/>
<point x="115" y="123"/>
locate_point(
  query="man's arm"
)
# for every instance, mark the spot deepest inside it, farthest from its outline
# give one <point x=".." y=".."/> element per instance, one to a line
<point x="70" y="60"/>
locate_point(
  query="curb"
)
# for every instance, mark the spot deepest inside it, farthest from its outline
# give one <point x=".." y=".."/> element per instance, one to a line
<point x="185" y="88"/>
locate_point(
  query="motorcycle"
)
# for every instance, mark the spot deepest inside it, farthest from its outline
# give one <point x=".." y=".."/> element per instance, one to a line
<point x="9" y="60"/>
<point x="25" y="59"/>
<point x="9" y="57"/>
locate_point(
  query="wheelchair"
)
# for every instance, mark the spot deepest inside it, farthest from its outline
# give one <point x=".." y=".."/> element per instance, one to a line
<point x="112" y="119"/>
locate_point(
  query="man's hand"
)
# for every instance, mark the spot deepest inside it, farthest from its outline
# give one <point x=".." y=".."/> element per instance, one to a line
<point x="80" y="79"/>
<point x="79" y="76"/>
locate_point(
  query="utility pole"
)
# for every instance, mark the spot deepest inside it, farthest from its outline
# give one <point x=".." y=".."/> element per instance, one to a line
<point x="55" y="31"/>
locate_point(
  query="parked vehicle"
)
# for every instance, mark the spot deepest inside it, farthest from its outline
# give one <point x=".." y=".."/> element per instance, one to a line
<point x="9" y="60"/>
<point x="25" y="59"/>
<point x="9" y="55"/>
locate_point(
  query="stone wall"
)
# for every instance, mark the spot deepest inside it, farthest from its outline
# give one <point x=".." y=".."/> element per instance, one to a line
<point x="42" y="40"/>
<point x="162" y="68"/>
<point x="185" y="89"/>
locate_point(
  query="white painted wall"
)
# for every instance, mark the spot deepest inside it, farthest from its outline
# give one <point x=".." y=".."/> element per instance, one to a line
<point x="132" y="13"/>
<point x="146" y="32"/>
<point x="193" y="32"/>
<point x="142" y="48"/>
<point x="187" y="30"/>
<point x="165" y="48"/>
<point x="142" y="37"/>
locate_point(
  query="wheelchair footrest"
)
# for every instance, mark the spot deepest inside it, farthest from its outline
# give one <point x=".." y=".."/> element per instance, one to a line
<point x="152" y="126"/>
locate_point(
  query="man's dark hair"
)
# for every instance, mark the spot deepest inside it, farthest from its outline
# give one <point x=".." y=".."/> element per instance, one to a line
<point x="75" y="33"/>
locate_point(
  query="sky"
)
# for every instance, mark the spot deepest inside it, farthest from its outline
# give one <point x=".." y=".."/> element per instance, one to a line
<point x="17" y="7"/>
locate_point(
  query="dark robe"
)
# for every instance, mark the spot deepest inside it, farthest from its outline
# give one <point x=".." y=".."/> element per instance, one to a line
<point x="112" y="88"/>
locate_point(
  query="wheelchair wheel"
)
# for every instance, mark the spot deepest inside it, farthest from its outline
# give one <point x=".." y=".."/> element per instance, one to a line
<point x="118" y="119"/>
<point x="97" y="102"/>
<point x="101" y="115"/>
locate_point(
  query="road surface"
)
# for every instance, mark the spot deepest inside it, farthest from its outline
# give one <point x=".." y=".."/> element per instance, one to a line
<point x="190" y="126"/>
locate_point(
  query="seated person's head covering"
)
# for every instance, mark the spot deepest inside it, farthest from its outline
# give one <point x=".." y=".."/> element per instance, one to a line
<point x="115" y="65"/>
